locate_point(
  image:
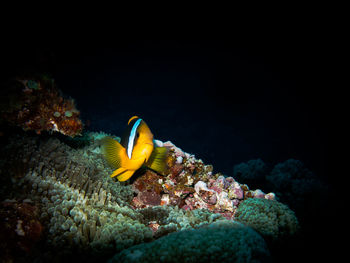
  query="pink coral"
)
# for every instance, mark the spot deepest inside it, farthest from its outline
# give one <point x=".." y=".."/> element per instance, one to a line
<point x="190" y="184"/>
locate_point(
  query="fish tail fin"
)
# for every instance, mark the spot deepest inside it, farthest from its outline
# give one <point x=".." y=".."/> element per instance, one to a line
<point x="111" y="150"/>
<point x="157" y="160"/>
<point x="125" y="175"/>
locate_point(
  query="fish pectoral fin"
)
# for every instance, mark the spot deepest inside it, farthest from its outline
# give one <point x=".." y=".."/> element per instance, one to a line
<point x="125" y="175"/>
<point x="157" y="160"/>
<point x="122" y="174"/>
<point x="113" y="152"/>
<point x="118" y="172"/>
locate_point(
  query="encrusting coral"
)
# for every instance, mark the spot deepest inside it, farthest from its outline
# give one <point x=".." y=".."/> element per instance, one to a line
<point x="270" y="218"/>
<point x="190" y="184"/>
<point x="222" y="241"/>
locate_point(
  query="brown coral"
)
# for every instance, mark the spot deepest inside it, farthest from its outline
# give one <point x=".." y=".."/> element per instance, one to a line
<point x="20" y="228"/>
<point x="36" y="104"/>
<point x="148" y="189"/>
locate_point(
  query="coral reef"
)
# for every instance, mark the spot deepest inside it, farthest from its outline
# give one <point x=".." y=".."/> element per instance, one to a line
<point x="272" y="219"/>
<point x="166" y="219"/>
<point x="86" y="213"/>
<point x="190" y="184"/>
<point x="222" y="241"/>
<point x="80" y="205"/>
<point x="36" y="104"/>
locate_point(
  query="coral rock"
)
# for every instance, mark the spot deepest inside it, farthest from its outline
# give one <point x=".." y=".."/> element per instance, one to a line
<point x="176" y="169"/>
<point x="36" y="104"/>
<point x="190" y="184"/>
<point x="19" y="226"/>
<point x="207" y="195"/>
<point x="148" y="190"/>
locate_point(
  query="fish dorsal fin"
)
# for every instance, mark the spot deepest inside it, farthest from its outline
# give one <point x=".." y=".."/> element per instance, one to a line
<point x="132" y="118"/>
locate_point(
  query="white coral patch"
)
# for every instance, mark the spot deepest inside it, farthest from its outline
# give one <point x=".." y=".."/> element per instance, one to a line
<point x="158" y="143"/>
<point x="189" y="180"/>
<point x="55" y="127"/>
<point x="165" y="199"/>
<point x="179" y="159"/>
<point x="19" y="229"/>
<point x="200" y="185"/>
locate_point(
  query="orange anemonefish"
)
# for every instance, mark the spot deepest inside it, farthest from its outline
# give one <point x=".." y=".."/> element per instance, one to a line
<point x="135" y="150"/>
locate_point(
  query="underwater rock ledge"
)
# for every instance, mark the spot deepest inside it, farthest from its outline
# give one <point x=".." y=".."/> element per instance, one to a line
<point x="83" y="211"/>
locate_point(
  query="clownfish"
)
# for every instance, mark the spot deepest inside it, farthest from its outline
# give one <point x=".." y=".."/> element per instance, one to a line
<point x="136" y="149"/>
